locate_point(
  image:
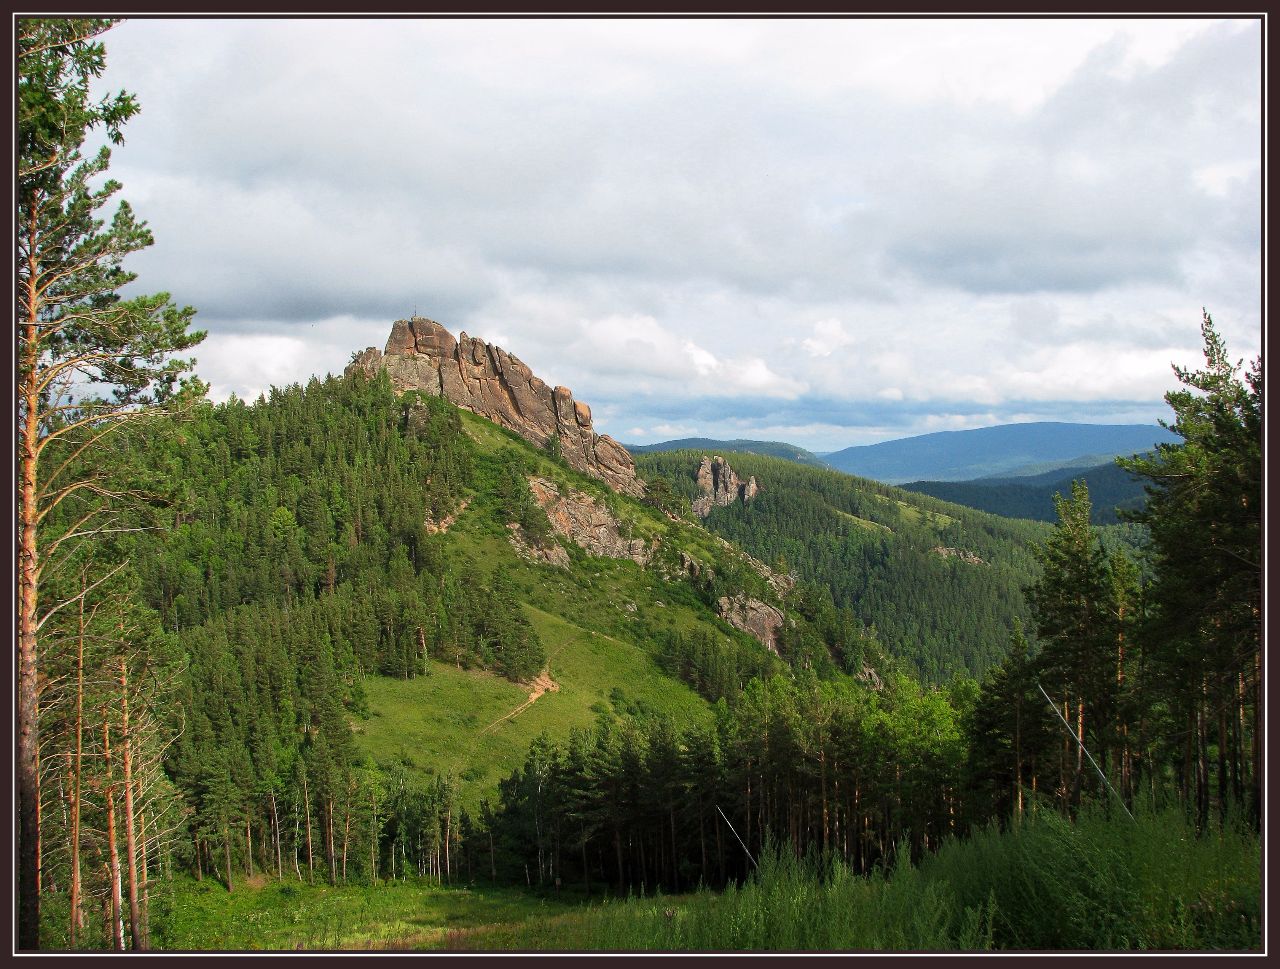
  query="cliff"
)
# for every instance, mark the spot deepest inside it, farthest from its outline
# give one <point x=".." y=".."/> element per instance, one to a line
<point x="422" y="355"/>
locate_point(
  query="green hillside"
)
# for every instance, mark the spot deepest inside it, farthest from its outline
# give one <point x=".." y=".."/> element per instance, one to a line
<point x="1031" y="496"/>
<point x="873" y="546"/>
<point x="322" y="597"/>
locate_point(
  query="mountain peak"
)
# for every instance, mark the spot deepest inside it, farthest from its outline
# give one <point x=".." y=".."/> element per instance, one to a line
<point x="423" y="355"/>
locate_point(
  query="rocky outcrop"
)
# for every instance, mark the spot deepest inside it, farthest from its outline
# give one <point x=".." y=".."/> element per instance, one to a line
<point x="753" y="617"/>
<point x="587" y="523"/>
<point x="422" y="355"/>
<point x="958" y="553"/>
<point x="720" y="486"/>
<point x="550" y="552"/>
<point x="433" y="527"/>
<point x="870" y="677"/>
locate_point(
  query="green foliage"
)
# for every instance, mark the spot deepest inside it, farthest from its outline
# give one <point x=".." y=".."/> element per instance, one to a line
<point x="871" y="547"/>
<point x="1113" y="489"/>
<point x="1203" y="627"/>
<point x="639" y="802"/>
<point x="1102" y="883"/>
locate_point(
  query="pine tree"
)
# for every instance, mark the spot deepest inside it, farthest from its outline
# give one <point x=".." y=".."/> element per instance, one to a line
<point x="75" y="333"/>
<point x="1069" y="602"/>
<point x="1204" y="511"/>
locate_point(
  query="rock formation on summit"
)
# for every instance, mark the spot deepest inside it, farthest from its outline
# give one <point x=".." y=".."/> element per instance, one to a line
<point x="422" y="355"/>
<point x="720" y="486"/>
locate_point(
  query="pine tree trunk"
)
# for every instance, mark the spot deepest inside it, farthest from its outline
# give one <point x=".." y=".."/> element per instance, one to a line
<point x="297" y="870"/>
<point x="113" y="854"/>
<point x="328" y="843"/>
<point x="28" y="757"/>
<point x="275" y="828"/>
<point x="311" y="864"/>
<point x="448" y="868"/>
<point x="77" y="907"/>
<point x="146" y="882"/>
<point x="346" y="837"/>
<point x="1222" y="765"/>
<point x="373" y="836"/>
<point x="130" y="842"/>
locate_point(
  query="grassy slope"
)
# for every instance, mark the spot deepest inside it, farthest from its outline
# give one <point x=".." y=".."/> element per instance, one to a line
<point x="599" y="650"/>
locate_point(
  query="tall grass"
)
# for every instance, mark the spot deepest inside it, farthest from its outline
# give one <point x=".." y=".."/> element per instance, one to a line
<point x="1098" y="883"/>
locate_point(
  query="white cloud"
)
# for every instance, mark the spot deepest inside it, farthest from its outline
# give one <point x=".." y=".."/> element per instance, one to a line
<point x="863" y="218"/>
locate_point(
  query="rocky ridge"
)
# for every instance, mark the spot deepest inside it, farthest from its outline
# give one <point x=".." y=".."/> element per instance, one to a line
<point x="422" y="355"/>
<point x="721" y="486"/>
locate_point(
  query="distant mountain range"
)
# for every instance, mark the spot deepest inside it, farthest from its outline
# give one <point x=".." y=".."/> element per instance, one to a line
<point x="1111" y="488"/>
<point x="1005" y="450"/>
<point x="772" y="449"/>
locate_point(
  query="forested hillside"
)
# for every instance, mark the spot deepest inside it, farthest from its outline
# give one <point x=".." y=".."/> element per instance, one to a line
<point x="337" y="557"/>
<point x="940" y="585"/>
<point x="1112" y="488"/>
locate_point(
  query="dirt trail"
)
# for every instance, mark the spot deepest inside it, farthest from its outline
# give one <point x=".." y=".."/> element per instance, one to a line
<point x="542" y="684"/>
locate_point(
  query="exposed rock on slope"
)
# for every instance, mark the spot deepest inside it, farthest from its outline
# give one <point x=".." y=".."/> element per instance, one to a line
<point x="587" y="523"/>
<point x="964" y="555"/>
<point x="753" y="617"/>
<point x="721" y="486"/>
<point x="550" y="552"/>
<point x="422" y="355"/>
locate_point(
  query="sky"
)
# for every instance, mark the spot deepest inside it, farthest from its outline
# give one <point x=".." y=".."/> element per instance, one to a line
<point x="826" y="232"/>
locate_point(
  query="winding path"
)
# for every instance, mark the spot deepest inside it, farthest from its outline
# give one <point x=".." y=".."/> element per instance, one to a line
<point x="542" y="684"/>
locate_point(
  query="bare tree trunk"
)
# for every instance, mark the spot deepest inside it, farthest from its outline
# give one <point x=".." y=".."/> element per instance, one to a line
<point x="275" y="827"/>
<point x="311" y="866"/>
<point x="373" y="836"/>
<point x="28" y="757"/>
<point x="328" y="841"/>
<point x="346" y="834"/>
<point x="113" y="854"/>
<point x="146" y="882"/>
<point x="296" y="869"/>
<point x="226" y="848"/>
<point x="130" y="842"/>
<point x="77" y="912"/>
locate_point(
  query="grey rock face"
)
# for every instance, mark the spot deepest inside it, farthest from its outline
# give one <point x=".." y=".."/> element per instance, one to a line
<point x="422" y="355"/>
<point x="587" y="523"/>
<point x="721" y="486"/>
<point x="753" y="617"/>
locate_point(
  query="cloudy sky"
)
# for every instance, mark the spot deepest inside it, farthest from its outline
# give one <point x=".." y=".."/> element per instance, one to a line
<point x="824" y="232"/>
